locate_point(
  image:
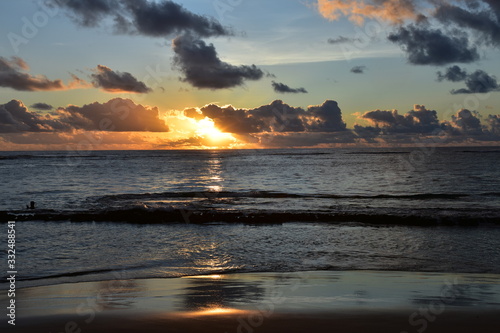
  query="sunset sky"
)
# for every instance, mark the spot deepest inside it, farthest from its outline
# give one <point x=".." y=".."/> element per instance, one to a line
<point x="144" y="74"/>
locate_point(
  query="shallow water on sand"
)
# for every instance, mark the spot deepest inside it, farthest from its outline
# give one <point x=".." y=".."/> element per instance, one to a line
<point x="54" y="252"/>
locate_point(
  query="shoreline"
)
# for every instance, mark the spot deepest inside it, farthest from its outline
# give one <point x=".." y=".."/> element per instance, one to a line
<point x="62" y="280"/>
<point x="350" y="299"/>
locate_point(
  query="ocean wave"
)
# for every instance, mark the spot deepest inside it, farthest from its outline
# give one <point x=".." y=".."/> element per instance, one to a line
<point x="65" y="274"/>
<point x="61" y="156"/>
<point x="277" y="195"/>
<point x="378" y="152"/>
<point x="481" y="151"/>
<point x="198" y="215"/>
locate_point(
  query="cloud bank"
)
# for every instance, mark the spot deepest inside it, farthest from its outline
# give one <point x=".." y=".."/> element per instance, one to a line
<point x="116" y="115"/>
<point x="278" y="124"/>
<point x="276" y="117"/>
<point x="418" y="120"/>
<point x="421" y="124"/>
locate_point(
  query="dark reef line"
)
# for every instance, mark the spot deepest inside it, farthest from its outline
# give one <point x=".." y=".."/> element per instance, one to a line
<point x="163" y="216"/>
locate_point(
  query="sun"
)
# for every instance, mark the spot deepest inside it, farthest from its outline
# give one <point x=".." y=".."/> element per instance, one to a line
<point x="212" y="135"/>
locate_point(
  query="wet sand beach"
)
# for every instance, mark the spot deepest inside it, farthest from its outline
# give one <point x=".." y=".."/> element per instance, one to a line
<point x="352" y="301"/>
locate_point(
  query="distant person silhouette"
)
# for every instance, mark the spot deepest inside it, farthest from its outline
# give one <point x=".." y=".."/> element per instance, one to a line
<point x="31" y="205"/>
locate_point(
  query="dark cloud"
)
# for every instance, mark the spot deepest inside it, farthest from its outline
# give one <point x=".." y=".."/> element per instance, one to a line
<point x="343" y="40"/>
<point x="15" y="117"/>
<point x="283" y="89"/>
<point x="367" y="133"/>
<point x="358" y="69"/>
<point x="42" y="106"/>
<point x="12" y="75"/>
<point x="326" y="117"/>
<point x="494" y="124"/>
<point x="116" y="115"/>
<point x="277" y="117"/>
<point x="149" y="18"/>
<point x="478" y="82"/>
<point x="88" y="13"/>
<point x="425" y="46"/>
<point x="422" y="124"/>
<point x="418" y="120"/>
<point x="483" y="18"/>
<point x="231" y="120"/>
<point x="281" y="117"/>
<point x="453" y="74"/>
<point x="199" y="62"/>
<point x="167" y="17"/>
<point x="466" y="122"/>
<point x="494" y="5"/>
<point x="202" y="67"/>
<point x="117" y="82"/>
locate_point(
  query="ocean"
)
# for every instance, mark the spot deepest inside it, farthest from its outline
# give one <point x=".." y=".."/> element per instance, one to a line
<point x="159" y="214"/>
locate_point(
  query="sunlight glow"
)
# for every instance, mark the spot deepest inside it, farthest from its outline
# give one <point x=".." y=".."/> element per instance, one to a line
<point x="208" y="131"/>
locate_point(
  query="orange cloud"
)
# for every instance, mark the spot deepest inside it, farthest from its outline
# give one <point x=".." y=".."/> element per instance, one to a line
<point x="393" y="11"/>
<point x="13" y="74"/>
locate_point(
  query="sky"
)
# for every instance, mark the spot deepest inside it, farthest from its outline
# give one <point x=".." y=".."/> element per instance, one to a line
<point x="195" y="74"/>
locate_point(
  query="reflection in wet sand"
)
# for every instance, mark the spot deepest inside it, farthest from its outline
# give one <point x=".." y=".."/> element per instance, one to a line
<point x="268" y="293"/>
<point x="216" y="292"/>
